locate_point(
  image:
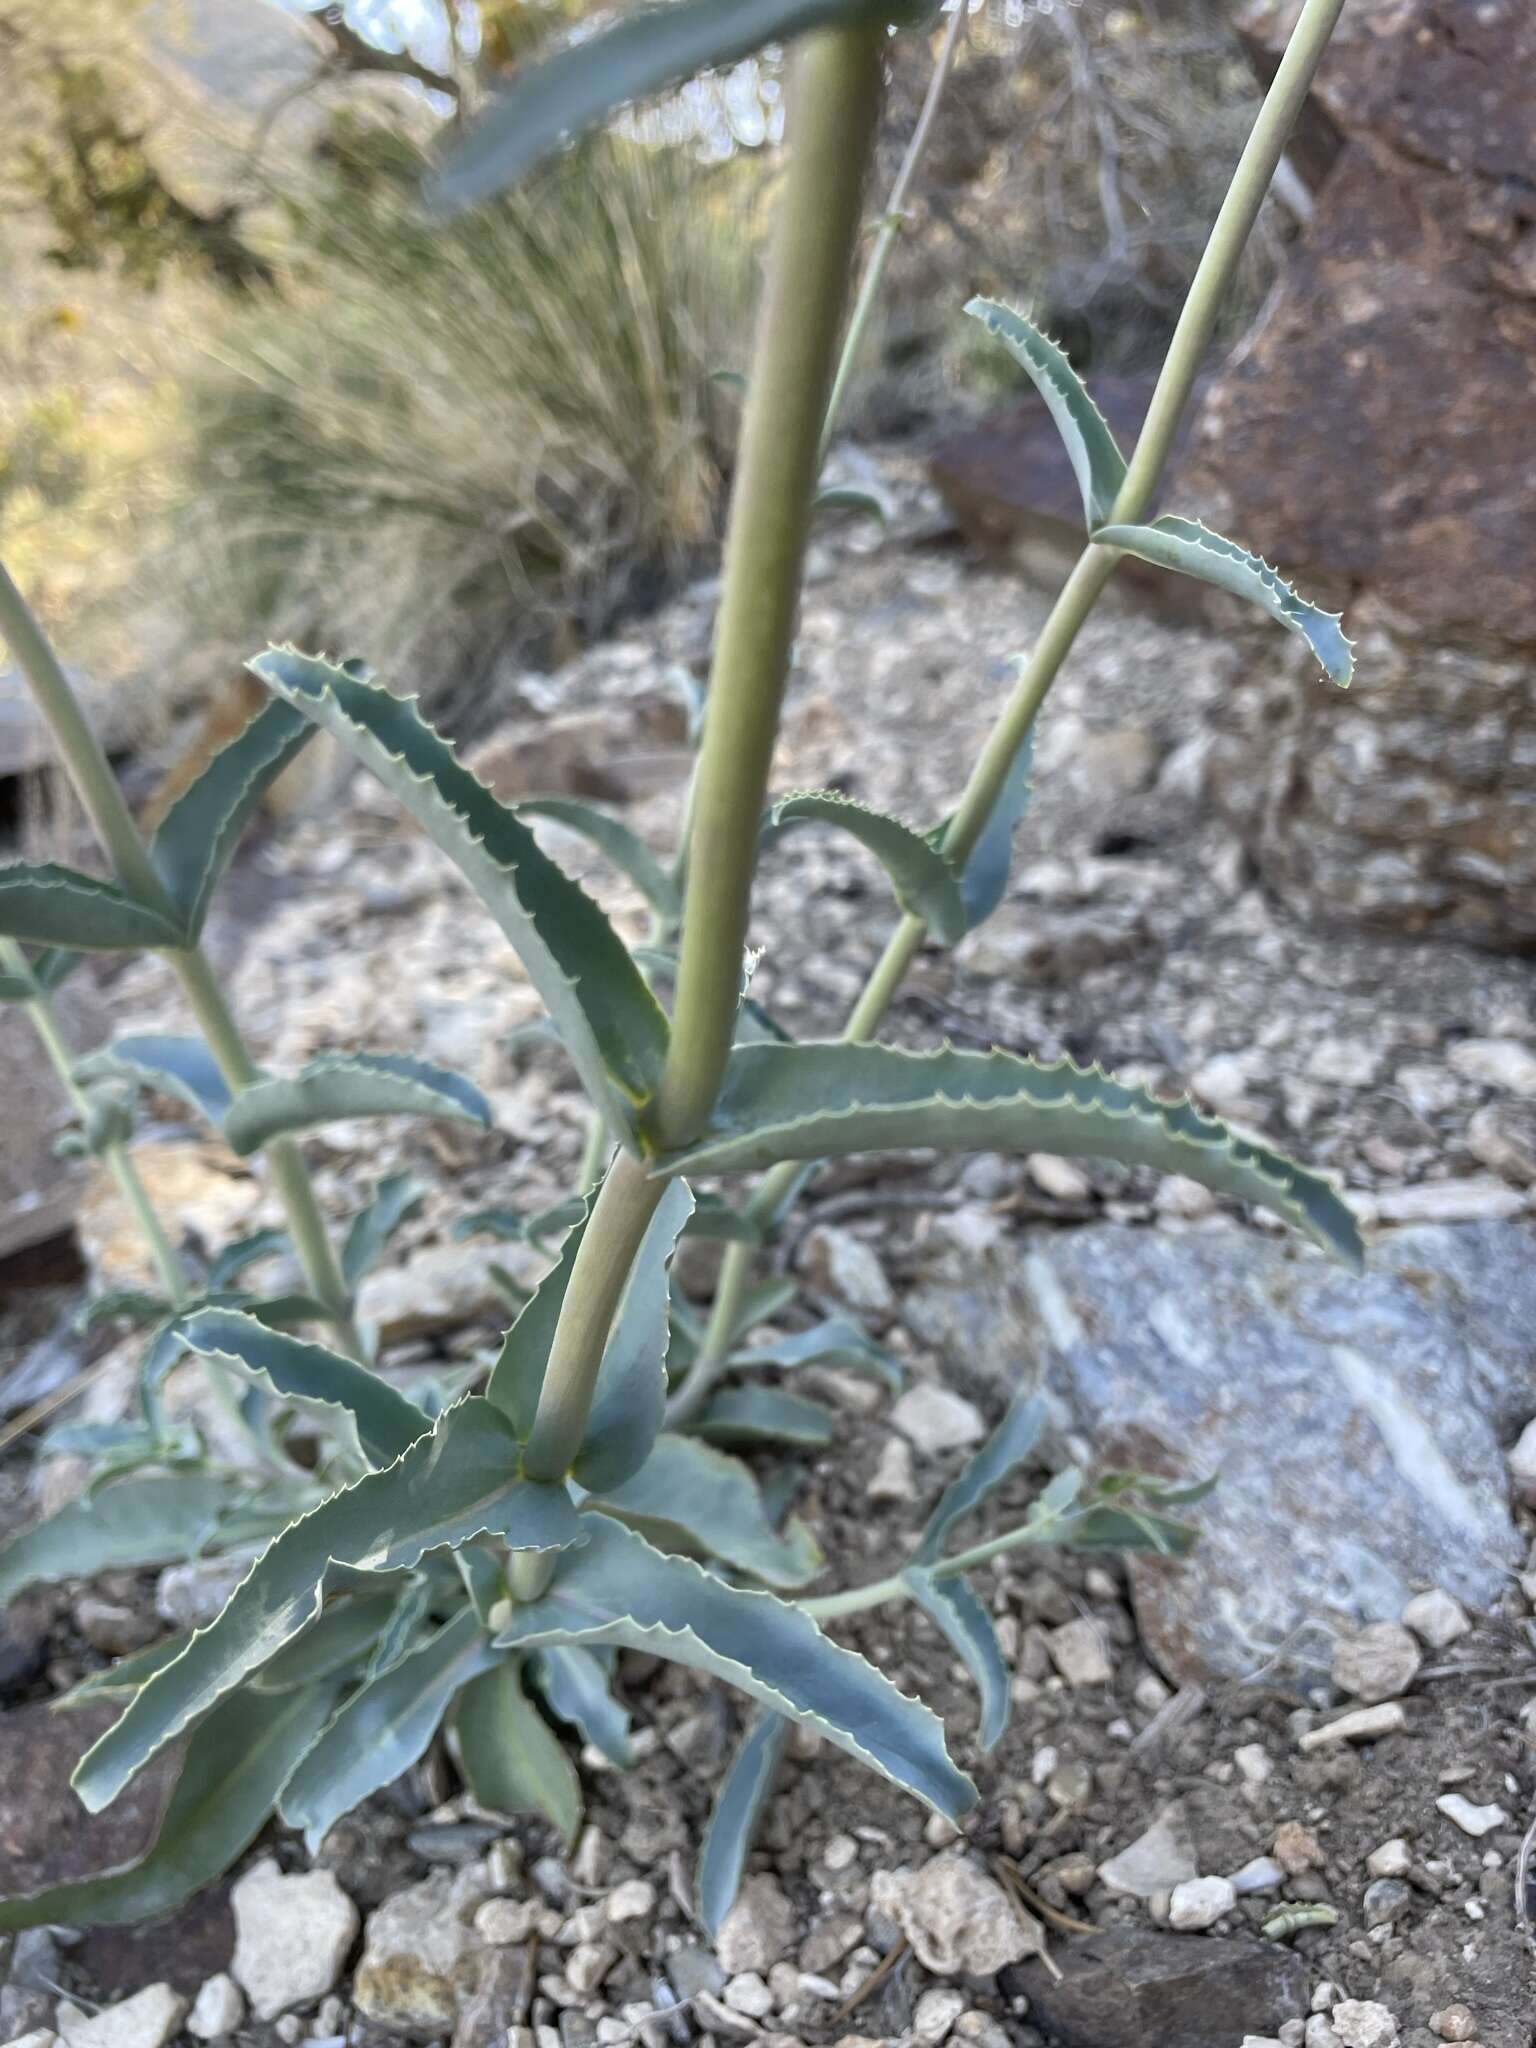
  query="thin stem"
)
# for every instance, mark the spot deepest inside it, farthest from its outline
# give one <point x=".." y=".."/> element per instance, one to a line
<point x="893" y="221"/>
<point x="836" y="96"/>
<point x="731" y="1285"/>
<point x="91" y="774"/>
<point x="878" y="1591"/>
<point x="625" y="1204"/>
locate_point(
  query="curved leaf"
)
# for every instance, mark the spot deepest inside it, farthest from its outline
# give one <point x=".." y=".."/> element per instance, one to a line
<point x="644" y="52"/>
<point x="1002" y="1453"/>
<point x="734" y="1818"/>
<point x="614" y="839"/>
<point x="714" y="1218"/>
<point x="133" y="1522"/>
<point x="346" y="1084"/>
<point x="1193" y="550"/>
<point x="517" y="1377"/>
<point x="54" y="906"/>
<point x="122" y="1304"/>
<point x="853" y="498"/>
<point x="1096" y="460"/>
<point x="340" y="1640"/>
<point x="53" y="966"/>
<point x="838" y="1343"/>
<point x="127" y="1674"/>
<point x="608" y="1019"/>
<point x="925" y="884"/>
<point x="984" y="879"/>
<point x="763" y="1415"/>
<point x="617" y="1589"/>
<point x="199" y="833"/>
<point x="397" y="1196"/>
<point x="384" y="1728"/>
<point x="14" y="990"/>
<point x="455" y="1484"/>
<point x="386" y="1423"/>
<point x="629" y="1402"/>
<point x="967" y="1627"/>
<point x="512" y="1227"/>
<point x="824" y="1101"/>
<point x="242" y="1252"/>
<point x="170" y="1063"/>
<point x="513" y="1760"/>
<point x="689" y="1497"/>
<point x="236" y="1766"/>
<point x="577" y="1689"/>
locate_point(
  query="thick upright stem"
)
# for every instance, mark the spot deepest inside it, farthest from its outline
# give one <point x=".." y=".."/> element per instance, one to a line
<point x="91" y="774"/>
<point x="834" y="104"/>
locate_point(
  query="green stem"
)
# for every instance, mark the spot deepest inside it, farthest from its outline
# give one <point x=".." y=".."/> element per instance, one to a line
<point x="835" y="103"/>
<point x="1083" y="588"/>
<point x="893" y="221"/>
<point x="92" y="776"/>
<point x="829" y="1605"/>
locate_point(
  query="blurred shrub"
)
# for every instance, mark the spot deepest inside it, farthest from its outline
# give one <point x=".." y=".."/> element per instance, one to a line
<point x="455" y="440"/>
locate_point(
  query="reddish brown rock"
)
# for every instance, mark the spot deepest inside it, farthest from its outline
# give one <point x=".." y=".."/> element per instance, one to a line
<point x="46" y="1835"/>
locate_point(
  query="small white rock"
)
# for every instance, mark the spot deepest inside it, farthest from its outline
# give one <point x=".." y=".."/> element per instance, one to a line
<point x="1362" y="2023"/>
<point x="1325" y="1996"/>
<point x="1263" y="1874"/>
<point x="1495" y="1063"/>
<point x="1522" y="1465"/>
<point x="292" y="1935"/>
<point x="1436" y="1618"/>
<point x="892" y="1478"/>
<point x="935" y="2013"/>
<point x="843" y="1264"/>
<point x="749" y="1994"/>
<point x="934" y="1419"/>
<point x="635" y="1899"/>
<point x="1376" y="1664"/>
<point x="1253" y="1763"/>
<point x="1362" y="1726"/>
<point x="1454" y="2023"/>
<point x="147" y="2020"/>
<point x="1063" y="1180"/>
<point x="1078" y="1651"/>
<point x="1320" y="2032"/>
<point x="40" y="2037"/>
<point x="1392" y="1859"/>
<point x="217" y="2009"/>
<point x="1476" y="1821"/>
<point x="1200" y="1903"/>
<point x="1261" y="2041"/>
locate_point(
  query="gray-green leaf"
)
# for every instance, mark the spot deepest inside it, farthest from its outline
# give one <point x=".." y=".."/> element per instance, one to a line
<point x="577" y="1689"/>
<point x="456" y="1483"/>
<point x="54" y="906"/>
<point x="1193" y="550"/>
<point x="984" y="880"/>
<point x="926" y="885"/>
<point x="967" y="1627"/>
<point x="827" y="1100"/>
<point x="1096" y="460"/>
<point x="619" y="1590"/>
<point x="764" y="1415"/>
<point x="608" y="1019"/>
<point x="201" y="830"/>
<point x="734" y="1818"/>
<point x="513" y="1760"/>
<point x="629" y="1402"/>
<point x="613" y="838"/>
<point x="838" y="1343"/>
<point x="689" y="1497"/>
<point x="134" y="1522"/>
<point x="346" y="1084"/>
<point x="1002" y="1453"/>
<point x="517" y="1377"/>
<point x="397" y="1196"/>
<point x="170" y="1063"/>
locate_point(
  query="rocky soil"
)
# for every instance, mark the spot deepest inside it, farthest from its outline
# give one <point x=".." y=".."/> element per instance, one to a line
<point x="1256" y="1861"/>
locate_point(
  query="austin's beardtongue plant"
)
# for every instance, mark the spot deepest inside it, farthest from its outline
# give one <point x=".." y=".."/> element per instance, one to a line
<point x="479" y="1558"/>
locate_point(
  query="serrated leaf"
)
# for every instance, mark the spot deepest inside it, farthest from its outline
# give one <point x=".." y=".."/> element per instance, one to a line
<point x="838" y="1343"/>
<point x="1193" y="550"/>
<point x="629" y="1402"/>
<point x="53" y="966"/>
<point x="335" y="1646"/>
<point x="199" y="833"/>
<point x="609" y="1021"/>
<point x="517" y="1377"/>
<point x="714" y="1218"/>
<point x="453" y="1485"/>
<point x="347" y="1084"/>
<point x="615" y="840"/>
<point x="644" y="52"/>
<point x="827" y="1100"/>
<point x="967" y="1627"/>
<point x="1001" y="1455"/>
<point x="984" y="879"/>
<point x="692" y="1498"/>
<point x="764" y="1415"/>
<point x="853" y="498"/>
<point x="620" y="1590"/>
<point x="243" y="1252"/>
<point x="397" y="1196"/>
<point x="924" y="882"/>
<point x="54" y="906"/>
<point x="1096" y="460"/>
<point x="132" y="1522"/>
<point x="513" y="1760"/>
<point x="408" y="1616"/>
<point x="384" y="1728"/>
<point x="734" y="1818"/>
<point x="577" y="1689"/>
<point x="127" y="1674"/>
<point x="235" y="1768"/>
<point x="170" y="1063"/>
<point x="385" y="1422"/>
<point x="122" y="1305"/>
<point x="763" y="1302"/>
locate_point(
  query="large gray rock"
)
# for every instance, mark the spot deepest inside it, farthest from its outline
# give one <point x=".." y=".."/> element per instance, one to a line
<point x="1133" y="1988"/>
<point x="1356" y="1424"/>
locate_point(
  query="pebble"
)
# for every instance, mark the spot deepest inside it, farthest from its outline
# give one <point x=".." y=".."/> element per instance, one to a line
<point x="502" y="1922"/>
<point x="1437" y="1618"/>
<point x="1156" y="1861"/>
<point x="1200" y="1903"/>
<point x="842" y="1264"/>
<point x="419" y="1953"/>
<point x="292" y="1935"/>
<point x="1320" y="2032"/>
<point x="1062" y="1179"/>
<point x="1364" y="1725"/>
<point x="633" y="1900"/>
<point x="1495" y="1063"/>
<point x="147" y="2020"/>
<point x="749" y="1994"/>
<point x="893" y="1478"/>
<point x="935" y="2014"/>
<point x="1455" y="2023"/>
<point x="1476" y="1821"/>
<point x="1253" y="1763"/>
<point x="1297" y="1849"/>
<point x="1502" y="1137"/>
<point x="1263" y="1874"/>
<point x="841" y="1853"/>
<point x="934" y="1419"/>
<point x="40" y="2037"/>
<point x="1379" y="1663"/>
<point x="1477" y="1199"/>
<point x="1079" y="1653"/>
<point x="958" y="1919"/>
<point x="218" y="2008"/>
<point x="758" y="1931"/>
<point x="1362" y="2023"/>
<point x="115" y="1630"/>
<point x="192" y="1595"/>
<point x="1392" y="1859"/>
<point x="1522" y="1466"/>
<point x="1386" y="1899"/>
<point x="1261" y="2041"/>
